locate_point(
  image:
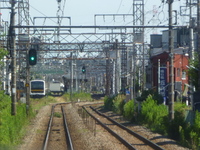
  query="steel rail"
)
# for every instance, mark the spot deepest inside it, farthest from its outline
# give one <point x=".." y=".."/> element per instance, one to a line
<point x="150" y="143"/>
<point x="128" y="145"/>
<point x="68" y="137"/>
<point x="48" y="129"/>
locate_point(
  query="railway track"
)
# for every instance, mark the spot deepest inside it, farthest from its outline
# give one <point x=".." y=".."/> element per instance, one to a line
<point x="126" y="136"/>
<point x="57" y="135"/>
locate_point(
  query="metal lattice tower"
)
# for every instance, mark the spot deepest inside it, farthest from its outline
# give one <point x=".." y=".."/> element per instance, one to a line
<point x="139" y="52"/>
<point x="124" y="64"/>
<point x="23" y="35"/>
<point x="23" y="15"/>
<point x="85" y="46"/>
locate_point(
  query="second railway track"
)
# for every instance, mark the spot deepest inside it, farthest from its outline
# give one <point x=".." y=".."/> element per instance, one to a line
<point x="129" y="138"/>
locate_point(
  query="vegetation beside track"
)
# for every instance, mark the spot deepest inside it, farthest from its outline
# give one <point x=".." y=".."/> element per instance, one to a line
<point x="13" y="128"/>
<point x="154" y="115"/>
<point x="10" y="126"/>
<point x="75" y="97"/>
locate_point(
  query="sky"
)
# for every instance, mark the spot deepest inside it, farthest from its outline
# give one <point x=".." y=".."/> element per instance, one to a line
<point x="82" y="12"/>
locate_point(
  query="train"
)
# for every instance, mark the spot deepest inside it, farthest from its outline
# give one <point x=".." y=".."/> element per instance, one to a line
<point x="56" y="88"/>
<point x="37" y="88"/>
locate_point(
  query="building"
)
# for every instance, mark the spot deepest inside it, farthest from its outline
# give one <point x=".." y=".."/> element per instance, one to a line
<point x="158" y="68"/>
<point x="160" y="73"/>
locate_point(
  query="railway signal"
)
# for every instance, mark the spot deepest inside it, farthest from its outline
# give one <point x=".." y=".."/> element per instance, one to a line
<point x="83" y="69"/>
<point x="32" y="57"/>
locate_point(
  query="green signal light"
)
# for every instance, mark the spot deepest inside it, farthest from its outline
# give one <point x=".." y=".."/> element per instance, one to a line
<point x="83" y="69"/>
<point x="32" y="58"/>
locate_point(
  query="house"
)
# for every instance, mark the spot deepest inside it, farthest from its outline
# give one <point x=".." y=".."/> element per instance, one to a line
<point x="161" y="62"/>
<point x="158" y="72"/>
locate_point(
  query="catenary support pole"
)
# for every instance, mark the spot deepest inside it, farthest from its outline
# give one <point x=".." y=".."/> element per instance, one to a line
<point x="191" y="54"/>
<point x="198" y="41"/>
<point x="27" y="81"/>
<point x="13" y="58"/>
<point x="171" y="64"/>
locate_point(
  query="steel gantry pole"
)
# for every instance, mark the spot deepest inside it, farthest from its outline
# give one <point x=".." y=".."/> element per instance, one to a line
<point x="191" y="52"/>
<point x="198" y="41"/>
<point x="138" y="47"/>
<point x="23" y="18"/>
<point x="108" y="86"/>
<point x="171" y="64"/>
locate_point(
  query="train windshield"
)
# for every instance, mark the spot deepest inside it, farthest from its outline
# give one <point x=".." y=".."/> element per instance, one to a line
<point x="37" y="85"/>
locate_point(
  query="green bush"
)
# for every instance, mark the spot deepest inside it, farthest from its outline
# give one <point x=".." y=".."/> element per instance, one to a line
<point x="129" y="110"/>
<point x="157" y="97"/>
<point x="178" y="121"/>
<point x="197" y="122"/>
<point x="5" y="101"/>
<point x="118" y="104"/>
<point x="114" y="103"/>
<point x="195" y="133"/>
<point x="108" y="102"/>
<point x="153" y="114"/>
<point x="11" y="126"/>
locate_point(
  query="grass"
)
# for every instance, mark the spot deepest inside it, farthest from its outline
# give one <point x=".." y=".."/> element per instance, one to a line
<point x="57" y="114"/>
<point x="77" y="97"/>
<point x="38" y="103"/>
<point x="14" y="128"/>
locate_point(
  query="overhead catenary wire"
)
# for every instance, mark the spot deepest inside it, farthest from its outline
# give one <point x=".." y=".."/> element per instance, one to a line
<point x="119" y="7"/>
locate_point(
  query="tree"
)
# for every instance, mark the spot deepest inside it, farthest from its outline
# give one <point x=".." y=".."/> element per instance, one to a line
<point x="193" y="71"/>
<point x="3" y="53"/>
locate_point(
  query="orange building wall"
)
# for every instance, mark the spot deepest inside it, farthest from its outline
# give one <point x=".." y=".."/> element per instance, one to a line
<point x="180" y="64"/>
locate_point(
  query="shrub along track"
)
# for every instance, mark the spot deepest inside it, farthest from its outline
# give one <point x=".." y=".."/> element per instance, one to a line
<point x="127" y="137"/>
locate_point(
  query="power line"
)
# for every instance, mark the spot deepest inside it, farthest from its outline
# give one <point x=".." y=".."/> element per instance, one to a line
<point x="119" y="6"/>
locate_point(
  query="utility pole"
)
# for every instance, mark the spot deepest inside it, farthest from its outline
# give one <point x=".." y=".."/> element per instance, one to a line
<point x="27" y="81"/>
<point x="132" y="76"/>
<point x="171" y="64"/>
<point x="191" y="52"/>
<point x="13" y="58"/>
<point x="159" y="76"/>
<point x="108" y="86"/>
<point x="198" y="32"/>
<point x="118" y="68"/>
<point x="71" y="76"/>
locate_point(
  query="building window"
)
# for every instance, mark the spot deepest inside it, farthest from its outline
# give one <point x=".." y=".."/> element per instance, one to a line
<point x="183" y="75"/>
<point x="178" y="72"/>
